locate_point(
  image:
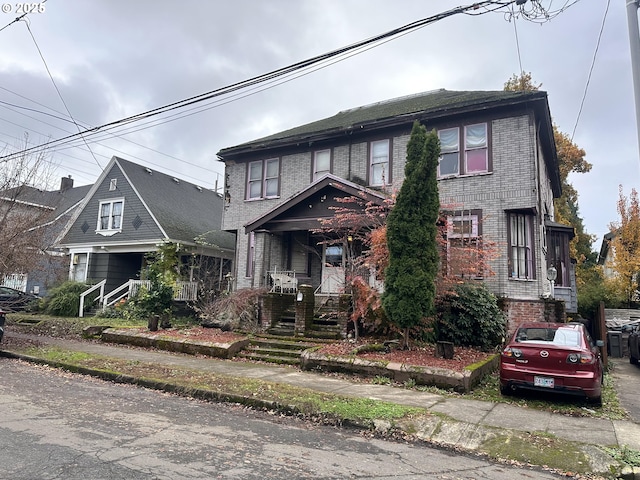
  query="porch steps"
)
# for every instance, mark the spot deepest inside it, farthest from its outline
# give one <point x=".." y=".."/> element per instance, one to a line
<point x="275" y="350"/>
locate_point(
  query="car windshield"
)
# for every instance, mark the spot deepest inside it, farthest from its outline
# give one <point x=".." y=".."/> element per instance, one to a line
<point x="557" y="336"/>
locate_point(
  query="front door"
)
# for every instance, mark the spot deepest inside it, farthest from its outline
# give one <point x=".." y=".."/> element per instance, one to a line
<point x="332" y="269"/>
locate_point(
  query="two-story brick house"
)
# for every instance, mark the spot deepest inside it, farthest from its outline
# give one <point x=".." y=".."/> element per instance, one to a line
<point x="498" y="175"/>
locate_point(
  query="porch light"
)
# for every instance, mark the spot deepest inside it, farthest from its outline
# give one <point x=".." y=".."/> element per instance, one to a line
<point x="299" y="297"/>
<point x="552" y="274"/>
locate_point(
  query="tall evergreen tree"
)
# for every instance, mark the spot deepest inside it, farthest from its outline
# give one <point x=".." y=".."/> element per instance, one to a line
<point x="410" y="288"/>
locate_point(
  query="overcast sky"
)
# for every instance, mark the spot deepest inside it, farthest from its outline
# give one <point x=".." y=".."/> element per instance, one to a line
<point x="115" y="58"/>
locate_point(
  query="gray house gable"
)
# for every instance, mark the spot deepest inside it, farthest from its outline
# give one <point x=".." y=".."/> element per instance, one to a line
<point x="156" y="207"/>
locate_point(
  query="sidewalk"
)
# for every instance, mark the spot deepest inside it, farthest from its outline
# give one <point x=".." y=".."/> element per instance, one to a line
<point x="474" y="420"/>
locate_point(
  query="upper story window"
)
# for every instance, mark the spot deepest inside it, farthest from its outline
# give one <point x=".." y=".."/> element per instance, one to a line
<point x="521" y="251"/>
<point x="113" y="184"/>
<point x="110" y="217"/>
<point x="379" y="163"/>
<point x="476" y="152"/>
<point x="263" y="179"/>
<point x="473" y="143"/>
<point x="321" y="164"/>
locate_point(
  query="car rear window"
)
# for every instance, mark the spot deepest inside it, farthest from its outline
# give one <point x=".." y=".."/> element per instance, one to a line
<point x="557" y="336"/>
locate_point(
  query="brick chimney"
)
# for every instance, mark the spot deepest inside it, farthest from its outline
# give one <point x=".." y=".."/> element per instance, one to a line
<point x="66" y="183"/>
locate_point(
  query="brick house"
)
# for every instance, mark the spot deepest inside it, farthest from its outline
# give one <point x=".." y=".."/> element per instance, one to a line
<point x="498" y="175"/>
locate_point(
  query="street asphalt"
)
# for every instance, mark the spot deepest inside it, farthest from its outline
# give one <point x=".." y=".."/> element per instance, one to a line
<point x="472" y="420"/>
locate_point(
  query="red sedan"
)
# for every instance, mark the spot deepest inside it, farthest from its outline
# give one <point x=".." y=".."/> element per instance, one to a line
<point x="558" y="357"/>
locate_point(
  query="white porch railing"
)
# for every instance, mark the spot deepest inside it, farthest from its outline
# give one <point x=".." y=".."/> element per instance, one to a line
<point x="184" y="291"/>
<point x="84" y="294"/>
<point x="283" y="281"/>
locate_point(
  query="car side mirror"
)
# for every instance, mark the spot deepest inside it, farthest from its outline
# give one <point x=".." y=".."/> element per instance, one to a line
<point x="599" y="343"/>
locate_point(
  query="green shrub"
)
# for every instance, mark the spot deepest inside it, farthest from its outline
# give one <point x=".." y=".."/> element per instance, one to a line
<point x="64" y="301"/>
<point x="470" y="317"/>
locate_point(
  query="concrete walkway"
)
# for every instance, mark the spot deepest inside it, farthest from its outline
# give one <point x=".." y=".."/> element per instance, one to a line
<point x="473" y="417"/>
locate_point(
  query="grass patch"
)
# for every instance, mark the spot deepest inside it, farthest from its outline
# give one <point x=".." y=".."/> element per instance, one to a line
<point x="306" y="401"/>
<point x="538" y="450"/>
<point x="625" y="455"/>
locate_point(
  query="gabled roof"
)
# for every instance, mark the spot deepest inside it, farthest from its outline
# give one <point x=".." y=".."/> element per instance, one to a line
<point x="59" y="202"/>
<point x="181" y="210"/>
<point x="604" y="248"/>
<point x="425" y="106"/>
<point x="316" y="189"/>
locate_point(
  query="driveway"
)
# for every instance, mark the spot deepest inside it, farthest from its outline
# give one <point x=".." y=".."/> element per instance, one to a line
<point x="627" y="381"/>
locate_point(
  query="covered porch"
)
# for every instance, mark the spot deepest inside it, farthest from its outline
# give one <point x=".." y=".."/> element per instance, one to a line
<point x="292" y="245"/>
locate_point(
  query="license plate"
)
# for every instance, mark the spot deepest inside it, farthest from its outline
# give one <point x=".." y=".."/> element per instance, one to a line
<point x="543" y="382"/>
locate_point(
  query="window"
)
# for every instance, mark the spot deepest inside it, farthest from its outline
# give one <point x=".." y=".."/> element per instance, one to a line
<point x="110" y="216"/>
<point x="321" y="164"/>
<point x="558" y="256"/>
<point x="475" y="148"/>
<point x="263" y="179"/>
<point x="113" y="184"/>
<point x="379" y="172"/>
<point x="474" y="145"/>
<point x="521" y="258"/>
<point x="449" y="152"/>
<point x="463" y="256"/>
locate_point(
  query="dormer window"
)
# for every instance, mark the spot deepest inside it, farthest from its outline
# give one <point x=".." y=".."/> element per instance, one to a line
<point x="110" y="217"/>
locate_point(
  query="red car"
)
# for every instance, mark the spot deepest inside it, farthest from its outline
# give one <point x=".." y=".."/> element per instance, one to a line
<point x="557" y="357"/>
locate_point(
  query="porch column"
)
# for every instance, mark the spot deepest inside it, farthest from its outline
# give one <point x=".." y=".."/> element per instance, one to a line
<point x="260" y="258"/>
<point x="305" y="304"/>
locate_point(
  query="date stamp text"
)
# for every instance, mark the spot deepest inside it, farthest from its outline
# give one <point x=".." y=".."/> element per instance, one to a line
<point x="22" y="8"/>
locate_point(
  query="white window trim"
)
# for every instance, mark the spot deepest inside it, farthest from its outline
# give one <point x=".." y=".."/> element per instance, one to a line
<point x="108" y="232"/>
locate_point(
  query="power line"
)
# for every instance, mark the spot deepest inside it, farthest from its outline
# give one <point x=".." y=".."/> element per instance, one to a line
<point x="593" y="61"/>
<point x="58" y="90"/>
<point x="273" y="74"/>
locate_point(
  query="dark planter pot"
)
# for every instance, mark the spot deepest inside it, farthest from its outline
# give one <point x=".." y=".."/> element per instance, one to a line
<point x="152" y="323"/>
<point x="444" y="350"/>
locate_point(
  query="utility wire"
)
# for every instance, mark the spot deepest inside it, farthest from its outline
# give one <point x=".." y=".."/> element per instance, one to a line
<point x="593" y="61"/>
<point x="273" y="74"/>
<point x="58" y="91"/>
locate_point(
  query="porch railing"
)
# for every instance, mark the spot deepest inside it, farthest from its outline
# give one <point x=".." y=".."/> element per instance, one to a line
<point x="283" y="281"/>
<point x="184" y="291"/>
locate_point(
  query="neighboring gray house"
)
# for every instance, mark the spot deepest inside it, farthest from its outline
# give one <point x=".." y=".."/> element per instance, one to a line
<point x="130" y="211"/>
<point x="498" y="175"/>
<point x="53" y="209"/>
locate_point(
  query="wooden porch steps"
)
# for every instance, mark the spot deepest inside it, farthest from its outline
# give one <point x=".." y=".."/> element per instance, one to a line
<point x="275" y="350"/>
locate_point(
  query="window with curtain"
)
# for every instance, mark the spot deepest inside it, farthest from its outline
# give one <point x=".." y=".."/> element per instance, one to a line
<point x="470" y="140"/>
<point x="521" y="258"/>
<point x="379" y="163"/>
<point x="263" y="179"/>
<point x="321" y="164"/>
<point x="110" y="215"/>
<point x="449" y="152"/>
<point x="475" y="148"/>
